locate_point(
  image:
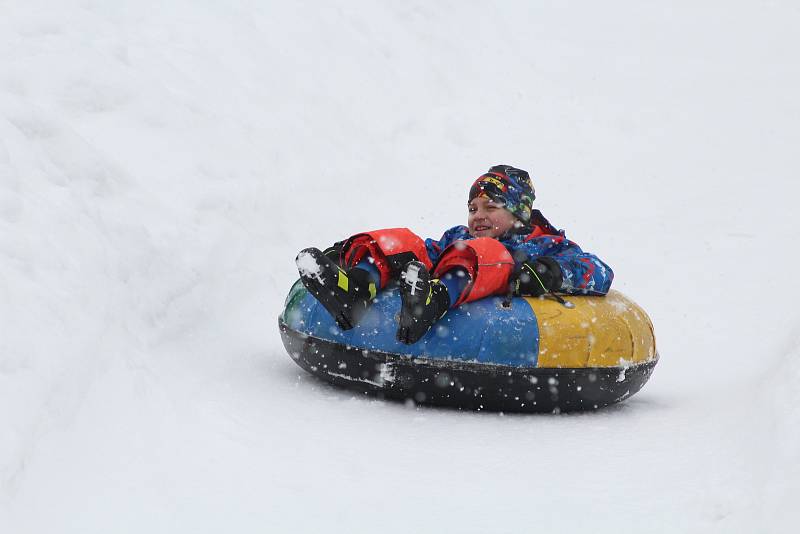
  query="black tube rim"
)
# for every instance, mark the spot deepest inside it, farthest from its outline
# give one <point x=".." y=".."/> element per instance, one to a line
<point x="464" y="385"/>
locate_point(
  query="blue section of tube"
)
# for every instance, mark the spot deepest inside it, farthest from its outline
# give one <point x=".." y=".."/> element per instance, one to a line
<point x="482" y="331"/>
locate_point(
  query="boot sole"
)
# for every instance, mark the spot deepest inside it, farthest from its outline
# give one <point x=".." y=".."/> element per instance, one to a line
<point x="414" y="290"/>
<point x="315" y="279"/>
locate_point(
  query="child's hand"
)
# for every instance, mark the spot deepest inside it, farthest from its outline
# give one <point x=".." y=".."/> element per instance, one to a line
<point x="537" y="277"/>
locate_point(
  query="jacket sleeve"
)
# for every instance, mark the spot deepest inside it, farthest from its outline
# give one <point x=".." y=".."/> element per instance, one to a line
<point x="583" y="273"/>
<point x="435" y="248"/>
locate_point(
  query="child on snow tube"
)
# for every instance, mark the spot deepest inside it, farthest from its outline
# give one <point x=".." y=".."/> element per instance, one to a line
<point x="507" y="247"/>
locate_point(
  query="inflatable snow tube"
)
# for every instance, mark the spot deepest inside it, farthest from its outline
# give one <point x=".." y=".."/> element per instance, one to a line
<point x="536" y="355"/>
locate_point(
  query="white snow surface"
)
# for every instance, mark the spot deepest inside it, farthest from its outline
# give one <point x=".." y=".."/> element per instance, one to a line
<point x="162" y="163"/>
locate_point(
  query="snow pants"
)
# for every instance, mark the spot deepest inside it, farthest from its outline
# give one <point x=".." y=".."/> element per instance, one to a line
<point x="487" y="262"/>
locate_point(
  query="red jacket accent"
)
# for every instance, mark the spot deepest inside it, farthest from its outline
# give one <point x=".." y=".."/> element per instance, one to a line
<point x="381" y="245"/>
<point x="486" y="260"/>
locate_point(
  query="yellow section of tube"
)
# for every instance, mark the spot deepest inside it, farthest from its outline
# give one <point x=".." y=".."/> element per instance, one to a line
<point x="610" y="331"/>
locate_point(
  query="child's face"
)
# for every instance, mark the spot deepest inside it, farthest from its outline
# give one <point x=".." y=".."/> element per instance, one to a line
<point x="488" y="218"/>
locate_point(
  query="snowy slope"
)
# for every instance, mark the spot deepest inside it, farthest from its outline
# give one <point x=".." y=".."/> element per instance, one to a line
<point x="161" y="165"/>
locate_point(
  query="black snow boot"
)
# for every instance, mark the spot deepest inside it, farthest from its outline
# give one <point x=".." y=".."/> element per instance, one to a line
<point x="347" y="295"/>
<point x="425" y="301"/>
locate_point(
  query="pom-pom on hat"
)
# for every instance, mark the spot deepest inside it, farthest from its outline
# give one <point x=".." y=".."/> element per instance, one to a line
<point x="507" y="185"/>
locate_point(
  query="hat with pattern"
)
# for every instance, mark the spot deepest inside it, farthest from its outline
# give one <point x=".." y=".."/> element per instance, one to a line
<point x="507" y="185"/>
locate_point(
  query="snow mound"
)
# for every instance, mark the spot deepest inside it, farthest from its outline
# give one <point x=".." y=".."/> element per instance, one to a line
<point x="162" y="163"/>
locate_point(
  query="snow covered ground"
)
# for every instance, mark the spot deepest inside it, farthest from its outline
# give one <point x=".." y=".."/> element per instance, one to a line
<point x="161" y="163"/>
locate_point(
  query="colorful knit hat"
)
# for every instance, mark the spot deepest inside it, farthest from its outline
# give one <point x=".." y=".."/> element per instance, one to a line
<point x="507" y="185"/>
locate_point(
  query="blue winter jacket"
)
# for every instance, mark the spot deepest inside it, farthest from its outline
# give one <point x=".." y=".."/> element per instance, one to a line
<point x="583" y="273"/>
